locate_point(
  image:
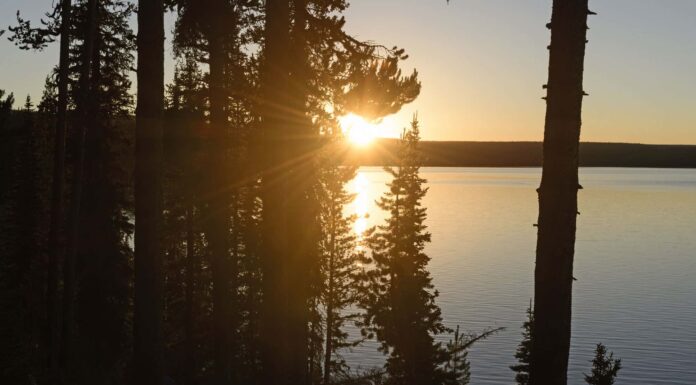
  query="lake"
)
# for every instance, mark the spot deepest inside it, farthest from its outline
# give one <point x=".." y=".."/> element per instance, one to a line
<point x="635" y="265"/>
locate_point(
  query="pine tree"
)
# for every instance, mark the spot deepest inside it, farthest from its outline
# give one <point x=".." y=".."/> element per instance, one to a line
<point x="524" y="349"/>
<point x="5" y="108"/>
<point x="400" y="301"/>
<point x="26" y="37"/>
<point x="605" y="367"/>
<point x="103" y="257"/>
<point x="185" y="281"/>
<point x="212" y="29"/>
<point x="457" y="367"/>
<point x="73" y="226"/>
<point x="341" y="256"/>
<point x="23" y="207"/>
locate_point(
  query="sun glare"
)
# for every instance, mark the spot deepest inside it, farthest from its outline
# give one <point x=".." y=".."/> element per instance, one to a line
<point x="359" y="131"/>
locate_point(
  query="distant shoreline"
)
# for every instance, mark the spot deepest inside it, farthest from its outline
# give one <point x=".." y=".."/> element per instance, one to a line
<point x="526" y="154"/>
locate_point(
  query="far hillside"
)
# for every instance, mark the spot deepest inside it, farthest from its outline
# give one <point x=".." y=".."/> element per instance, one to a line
<point x="528" y="154"/>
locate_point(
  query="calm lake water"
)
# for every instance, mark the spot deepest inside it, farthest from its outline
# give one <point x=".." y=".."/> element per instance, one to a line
<point x="635" y="264"/>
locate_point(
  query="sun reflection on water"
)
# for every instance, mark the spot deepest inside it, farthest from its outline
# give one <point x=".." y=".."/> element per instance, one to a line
<point x="360" y="207"/>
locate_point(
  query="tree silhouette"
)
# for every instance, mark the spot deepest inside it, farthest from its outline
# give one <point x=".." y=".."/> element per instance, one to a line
<point x="553" y="276"/>
<point x="37" y="38"/>
<point x="524" y="350"/>
<point x="148" y="309"/>
<point x="457" y="366"/>
<point x="73" y="227"/>
<point x="400" y="301"/>
<point x="185" y="280"/>
<point x="605" y="367"/>
<point x="341" y="256"/>
<point x="25" y="177"/>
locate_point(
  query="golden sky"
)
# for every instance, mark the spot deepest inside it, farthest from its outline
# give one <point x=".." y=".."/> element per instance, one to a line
<point x="482" y="64"/>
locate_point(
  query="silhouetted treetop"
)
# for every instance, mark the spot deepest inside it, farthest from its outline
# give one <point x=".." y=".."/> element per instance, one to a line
<point x="378" y="88"/>
<point x="28" y="37"/>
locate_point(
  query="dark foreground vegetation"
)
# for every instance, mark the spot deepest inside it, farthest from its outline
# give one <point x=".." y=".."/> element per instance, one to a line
<point x="198" y="235"/>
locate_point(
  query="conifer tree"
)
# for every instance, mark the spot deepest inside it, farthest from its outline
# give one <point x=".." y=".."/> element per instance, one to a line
<point x="457" y="367"/>
<point x="90" y="24"/>
<point x="214" y="31"/>
<point x="524" y="349"/>
<point x="186" y="312"/>
<point x="340" y="257"/>
<point x="400" y="301"/>
<point x="605" y="367"/>
<point x="23" y="207"/>
<point x="104" y="256"/>
<point x="26" y="37"/>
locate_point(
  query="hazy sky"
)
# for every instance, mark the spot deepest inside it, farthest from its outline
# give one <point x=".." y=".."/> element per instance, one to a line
<point x="482" y="64"/>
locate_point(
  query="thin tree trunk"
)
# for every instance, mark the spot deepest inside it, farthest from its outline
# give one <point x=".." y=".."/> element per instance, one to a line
<point x="218" y="210"/>
<point x="328" y="351"/>
<point x="302" y="210"/>
<point x="191" y="263"/>
<point x="148" y="312"/>
<point x="57" y="190"/>
<point x="274" y="339"/>
<point x="558" y="209"/>
<point x="69" y="278"/>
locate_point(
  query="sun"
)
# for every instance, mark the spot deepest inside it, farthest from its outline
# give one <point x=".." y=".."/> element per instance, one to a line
<point x="359" y="131"/>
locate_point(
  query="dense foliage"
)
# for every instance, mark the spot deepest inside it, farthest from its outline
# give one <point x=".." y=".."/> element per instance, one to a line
<point x="251" y="271"/>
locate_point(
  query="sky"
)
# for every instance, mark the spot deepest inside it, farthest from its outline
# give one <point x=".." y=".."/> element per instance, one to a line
<point x="482" y="64"/>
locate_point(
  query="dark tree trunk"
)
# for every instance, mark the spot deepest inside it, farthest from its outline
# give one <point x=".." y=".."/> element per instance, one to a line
<point x="69" y="278"/>
<point x="191" y="263"/>
<point x="303" y="250"/>
<point x="558" y="209"/>
<point x="57" y="188"/>
<point x="218" y="196"/>
<point x="328" y="351"/>
<point x="274" y="339"/>
<point x="148" y="312"/>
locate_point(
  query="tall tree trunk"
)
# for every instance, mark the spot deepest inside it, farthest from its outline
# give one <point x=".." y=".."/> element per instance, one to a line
<point x="302" y="210"/>
<point x="56" y="221"/>
<point x="558" y="209"/>
<point x="191" y="263"/>
<point x="218" y="196"/>
<point x="274" y="339"/>
<point x="69" y="278"/>
<point x="148" y="312"/>
<point x="328" y="351"/>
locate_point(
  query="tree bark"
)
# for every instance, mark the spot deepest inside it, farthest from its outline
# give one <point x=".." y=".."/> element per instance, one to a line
<point x="148" y="312"/>
<point x="219" y="195"/>
<point x="274" y="339"/>
<point x="302" y="211"/>
<point x="57" y="191"/>
<point x="328" y="351"/>
<point x="558" y="209"/>
<point x="191" y="263"/>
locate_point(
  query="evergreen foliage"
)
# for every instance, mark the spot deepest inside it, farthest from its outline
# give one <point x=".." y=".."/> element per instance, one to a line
<point x="341" y="256"/>
<point x="524" y="349"/>
<point x="23" y="207"/>
<point x="457" y="366"/>
<point x="400" y="300"/>
<point x="105" y="228"/>
<point x="218" y="196"/>
<point x="605" y="367"/>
